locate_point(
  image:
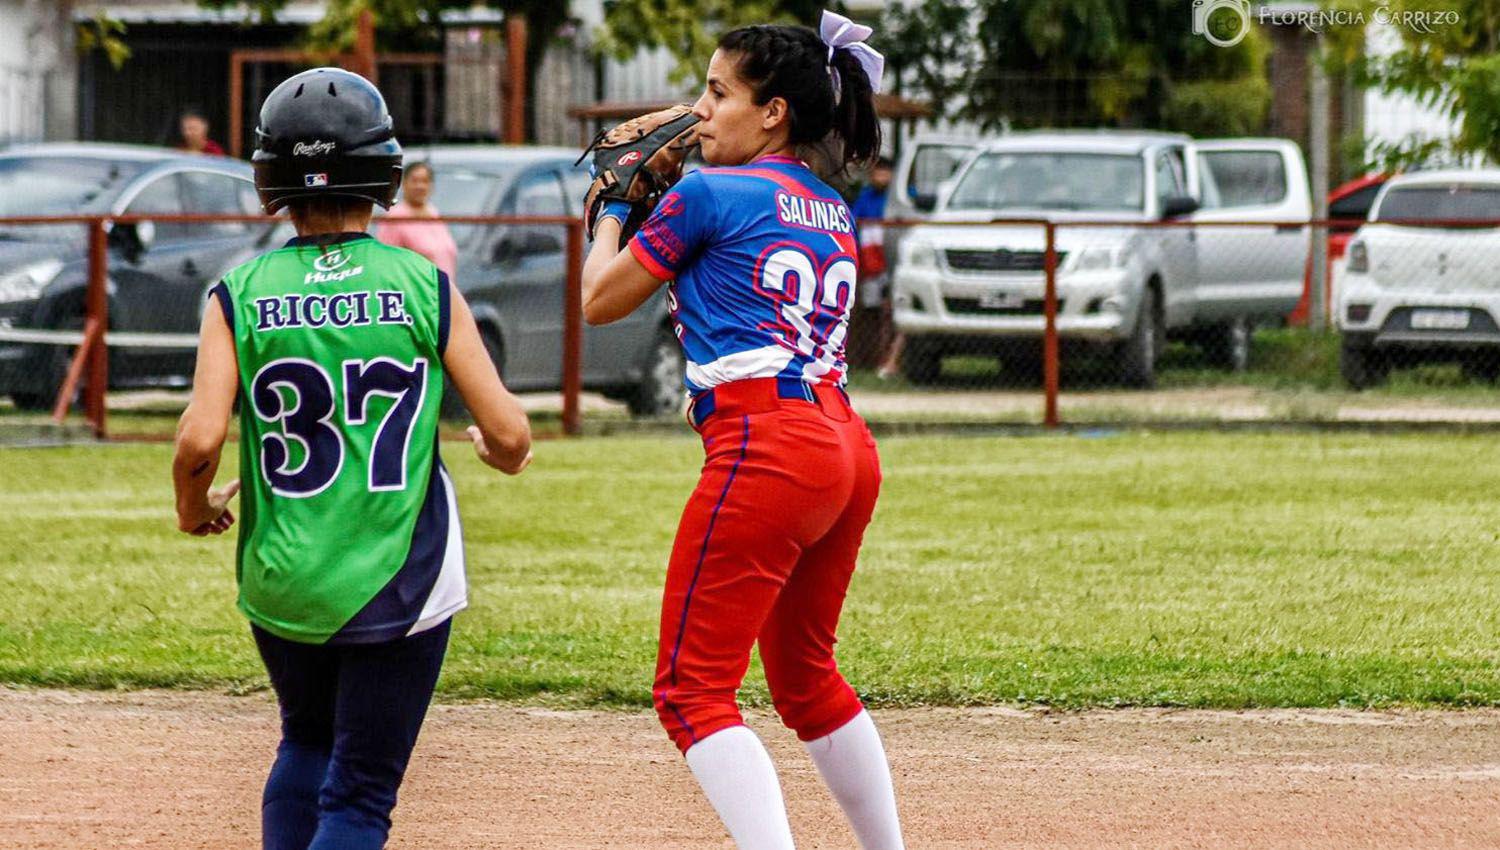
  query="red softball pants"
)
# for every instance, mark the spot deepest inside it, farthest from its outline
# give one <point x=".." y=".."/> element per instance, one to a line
<point x="764" y="552"/>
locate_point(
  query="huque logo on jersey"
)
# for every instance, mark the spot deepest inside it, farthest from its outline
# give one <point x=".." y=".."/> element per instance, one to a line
<point x="316" y="148"/>
<point x="630" y="158"/>
<point x="331" y="268"/>
<point x="331" y="261"/>
<point x="812" y="213"/>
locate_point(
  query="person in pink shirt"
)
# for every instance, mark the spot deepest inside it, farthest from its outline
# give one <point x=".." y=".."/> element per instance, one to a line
<point x="431" y="239"/>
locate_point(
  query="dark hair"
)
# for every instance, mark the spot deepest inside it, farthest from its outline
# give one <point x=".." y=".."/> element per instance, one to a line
<point x="792" y="63"/>
<point x="422" y="164"/>
<point x="192" y="112"/>
<point x="883" y="162"/>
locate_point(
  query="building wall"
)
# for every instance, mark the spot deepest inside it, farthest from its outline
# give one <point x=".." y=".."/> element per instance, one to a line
<point x="38" y="80"/>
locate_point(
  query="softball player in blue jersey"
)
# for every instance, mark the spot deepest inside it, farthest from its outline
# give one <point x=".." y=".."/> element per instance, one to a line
<point x="761" y="259"/>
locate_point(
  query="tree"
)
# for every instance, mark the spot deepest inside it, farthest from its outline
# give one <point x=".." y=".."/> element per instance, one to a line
<point x="689" y="29"/>
<point x="1104" y="62"/>
<point x="1449" y="60"/>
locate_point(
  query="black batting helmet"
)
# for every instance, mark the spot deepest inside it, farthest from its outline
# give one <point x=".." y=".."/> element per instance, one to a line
<point x="323" y="133"/>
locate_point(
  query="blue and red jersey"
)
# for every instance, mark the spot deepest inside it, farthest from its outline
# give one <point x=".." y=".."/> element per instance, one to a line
<point x="762" y="261"/>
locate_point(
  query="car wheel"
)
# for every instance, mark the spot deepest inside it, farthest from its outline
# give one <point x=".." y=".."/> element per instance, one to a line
<point x="1360" y="364"/>
<point x="1227" y="345"/>
<point x="1137" y="355"/>
<point x="31" y="401"/>
<point x="453" y="405"/>
<point x="660" y="391"/>
<point x="1482" y="366"/>
<point x="921" y="360"/>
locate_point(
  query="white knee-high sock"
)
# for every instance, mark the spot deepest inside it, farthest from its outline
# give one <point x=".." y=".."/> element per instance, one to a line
<point x="736" y="774"/>
<point x="852" y="762"/>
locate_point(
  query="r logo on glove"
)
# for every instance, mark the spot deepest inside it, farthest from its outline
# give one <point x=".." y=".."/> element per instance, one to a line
<point x="636" y="163"/>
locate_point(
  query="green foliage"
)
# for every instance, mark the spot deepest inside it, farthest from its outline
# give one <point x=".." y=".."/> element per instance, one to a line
<point x="934" y="43"/>
<point x="689" y="29"/>
<point x="104" y="33"/>
<point x="1218" y="107"/>
<point x="1109" y="63"/>
<point x="1204" y="569"/>
<point x="1449" y="62"/>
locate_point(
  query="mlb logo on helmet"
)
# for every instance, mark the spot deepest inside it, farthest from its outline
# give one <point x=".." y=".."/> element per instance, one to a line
<point x="315" y="180"/>
<point x="629" y="158"/>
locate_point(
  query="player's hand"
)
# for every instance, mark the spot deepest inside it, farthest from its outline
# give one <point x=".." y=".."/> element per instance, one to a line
<point x="482" y="449"/>
<point x="519" y="467"/>
<point x="217" y="518"/>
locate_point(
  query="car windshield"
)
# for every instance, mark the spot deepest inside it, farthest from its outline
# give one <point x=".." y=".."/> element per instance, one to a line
<point x="457" y="190"/>
<point x="1454" y="201"/>
<point x="1055" y="181"/>
<point x="55" y="185"/>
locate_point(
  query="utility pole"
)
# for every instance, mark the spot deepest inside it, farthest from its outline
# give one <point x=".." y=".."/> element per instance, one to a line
<point x="1317" y="306"/>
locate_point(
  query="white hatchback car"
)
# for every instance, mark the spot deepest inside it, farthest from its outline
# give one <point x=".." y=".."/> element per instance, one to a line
<point x="1421" y="284"/>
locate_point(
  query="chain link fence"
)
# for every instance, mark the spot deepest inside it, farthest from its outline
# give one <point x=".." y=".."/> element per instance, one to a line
<point x="1181" y="321"/>
<point x="1081" y="322"/>
<point x="99" y="316"/>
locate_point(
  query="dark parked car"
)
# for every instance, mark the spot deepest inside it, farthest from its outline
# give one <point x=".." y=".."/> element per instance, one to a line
<point x="159" y="272"/>
<point x="514" y="277"/>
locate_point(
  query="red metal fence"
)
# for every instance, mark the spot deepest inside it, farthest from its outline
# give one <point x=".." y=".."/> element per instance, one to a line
<point x="1023" y="323"/>
<point x="91" y="355"/>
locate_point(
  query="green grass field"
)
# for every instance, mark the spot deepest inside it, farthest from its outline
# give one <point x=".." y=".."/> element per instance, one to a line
<point x="1201" y="569"/>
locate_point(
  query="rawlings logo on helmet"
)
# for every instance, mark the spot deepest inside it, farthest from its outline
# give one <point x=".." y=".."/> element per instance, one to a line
<point x="317" y="148"/>
<point x="629" y="158"/>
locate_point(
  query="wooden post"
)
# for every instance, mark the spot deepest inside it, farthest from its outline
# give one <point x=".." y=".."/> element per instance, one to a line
<point x="236" y="105"/>
<point x="572" y="377"/>
<point x="96" y="310"/>
<point x="515" y="78"/>
<point x="364" y="47"/>
<point x="1050" y="365"/>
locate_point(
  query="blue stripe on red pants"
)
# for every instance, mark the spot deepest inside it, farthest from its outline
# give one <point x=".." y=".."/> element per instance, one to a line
<point x="769" y="558"/>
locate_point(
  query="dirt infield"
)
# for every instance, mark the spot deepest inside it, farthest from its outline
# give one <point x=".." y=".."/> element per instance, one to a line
<point x="179" y="770"/>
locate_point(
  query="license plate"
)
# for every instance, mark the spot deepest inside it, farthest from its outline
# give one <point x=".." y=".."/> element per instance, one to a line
<point x="1001" y="301"/>
<point x="1439" y="320"/>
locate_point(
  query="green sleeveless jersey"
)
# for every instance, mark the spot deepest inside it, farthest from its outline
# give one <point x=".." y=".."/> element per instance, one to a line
<point x="349" y="529"/>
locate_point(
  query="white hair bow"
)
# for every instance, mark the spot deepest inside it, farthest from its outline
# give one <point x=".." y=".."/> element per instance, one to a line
<point x="838" y="31"/>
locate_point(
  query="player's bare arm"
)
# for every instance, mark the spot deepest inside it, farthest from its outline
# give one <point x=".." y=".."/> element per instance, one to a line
<point x="501" y="432"/>
<point x="201" y="508"/>
<point x="614" y="281"/>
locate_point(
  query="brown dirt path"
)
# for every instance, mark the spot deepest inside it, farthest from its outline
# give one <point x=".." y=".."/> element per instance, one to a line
<point x="180" y="770"/>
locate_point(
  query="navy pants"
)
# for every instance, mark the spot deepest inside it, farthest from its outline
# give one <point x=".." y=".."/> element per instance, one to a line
<point x="350" y="716"/>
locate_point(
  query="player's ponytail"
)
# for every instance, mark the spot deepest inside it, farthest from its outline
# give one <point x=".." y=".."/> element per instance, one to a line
<point x="824" y="98"/>
<point x="854" y="118"/>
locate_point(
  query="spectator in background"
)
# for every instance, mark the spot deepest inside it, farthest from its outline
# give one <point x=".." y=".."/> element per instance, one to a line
<point x="870" y="203"/>
<point x="431" y="239"/>
<point x="192" y="134"/>
<point x="873" y="339"/>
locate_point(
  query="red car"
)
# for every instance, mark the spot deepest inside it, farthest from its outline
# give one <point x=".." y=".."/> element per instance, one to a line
<point x="1350" y="203"/>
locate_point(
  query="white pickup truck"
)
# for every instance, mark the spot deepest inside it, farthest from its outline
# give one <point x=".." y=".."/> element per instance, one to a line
<point x="1123" y="285"/>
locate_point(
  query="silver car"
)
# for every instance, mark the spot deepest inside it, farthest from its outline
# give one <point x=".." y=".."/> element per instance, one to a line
<point x="514" y="277"/>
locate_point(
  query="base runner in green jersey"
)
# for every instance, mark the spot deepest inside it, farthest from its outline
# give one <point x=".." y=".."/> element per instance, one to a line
<point x="350" y="557"/>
